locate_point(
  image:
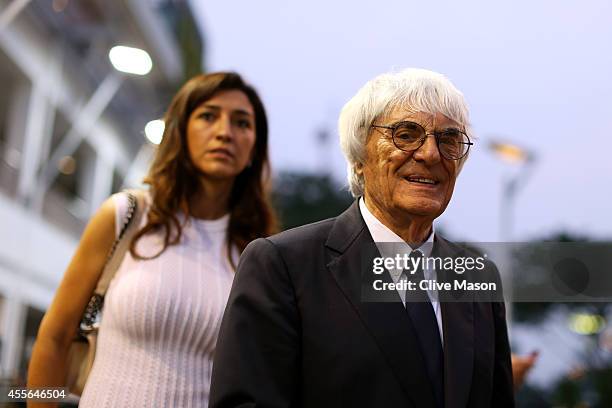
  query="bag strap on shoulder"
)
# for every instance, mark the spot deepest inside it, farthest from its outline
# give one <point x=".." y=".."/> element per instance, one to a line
<point x="131" y="223"/>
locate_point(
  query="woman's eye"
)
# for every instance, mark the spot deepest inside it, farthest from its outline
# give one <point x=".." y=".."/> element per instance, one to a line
<point x="207" y="116"/>
<point x="243" y="124"/>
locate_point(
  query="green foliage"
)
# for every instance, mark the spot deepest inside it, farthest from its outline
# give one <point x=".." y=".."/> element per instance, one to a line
<point x="592" y="388"/>
<point x="536" y="313"/>
<point x="302" y="198"/>
<point x="532" y="397"/>
<point x="567" y="393"/>
<point x="602" y="384"/>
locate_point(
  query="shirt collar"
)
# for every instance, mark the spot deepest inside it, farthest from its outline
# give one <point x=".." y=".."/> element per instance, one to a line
<point x="382" y="233"/>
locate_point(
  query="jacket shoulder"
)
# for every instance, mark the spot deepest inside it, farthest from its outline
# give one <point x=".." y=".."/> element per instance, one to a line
<point x="314" y="232"/>
<point x="290" y="248"/>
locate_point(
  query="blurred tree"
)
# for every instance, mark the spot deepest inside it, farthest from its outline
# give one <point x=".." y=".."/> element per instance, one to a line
<point x="302" y="198"/>
<point x="567" y="393"/>
<point x="591" y="384"/>
<point x="533" y="312"/>
<point x="533" y="397"/>
<point x="180" y="20"/>
<point x="602" y="384"/>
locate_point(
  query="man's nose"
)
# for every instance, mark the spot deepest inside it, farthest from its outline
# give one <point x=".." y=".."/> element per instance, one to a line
<point x="428" y="152"/>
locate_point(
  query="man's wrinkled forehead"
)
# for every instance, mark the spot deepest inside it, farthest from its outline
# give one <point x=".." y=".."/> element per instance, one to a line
<point x="393" y="111"/>
<point x="423" y="118"/>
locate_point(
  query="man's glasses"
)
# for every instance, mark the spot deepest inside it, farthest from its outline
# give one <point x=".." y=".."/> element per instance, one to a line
<point x="453" y="144"/>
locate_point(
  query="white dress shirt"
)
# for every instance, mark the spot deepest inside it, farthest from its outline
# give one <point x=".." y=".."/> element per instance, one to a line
<point x="393" y="245"/>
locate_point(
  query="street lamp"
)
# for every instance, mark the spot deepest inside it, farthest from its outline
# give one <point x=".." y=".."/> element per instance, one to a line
<point x="125" y="60"/>
<point x="130" y="60"/>
<point x="524" y="158"/>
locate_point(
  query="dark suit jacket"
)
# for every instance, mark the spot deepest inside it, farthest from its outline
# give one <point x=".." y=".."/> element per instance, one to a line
<point x="296" y="332"/>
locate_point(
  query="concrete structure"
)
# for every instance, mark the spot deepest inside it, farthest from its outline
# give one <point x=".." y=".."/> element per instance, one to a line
<point x="70" y="128"/>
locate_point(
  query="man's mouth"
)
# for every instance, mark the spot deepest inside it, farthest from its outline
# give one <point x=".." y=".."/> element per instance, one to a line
<point x="422" y="180"/>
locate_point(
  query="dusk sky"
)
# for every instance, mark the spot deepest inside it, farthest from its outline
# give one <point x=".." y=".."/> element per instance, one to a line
<point x="538" y="74"/>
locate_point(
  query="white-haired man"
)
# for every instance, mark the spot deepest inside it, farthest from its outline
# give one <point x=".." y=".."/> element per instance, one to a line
<point x="305" y="328"/>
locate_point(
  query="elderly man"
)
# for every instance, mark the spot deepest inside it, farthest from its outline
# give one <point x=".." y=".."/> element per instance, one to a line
<point x="300" y="330"/>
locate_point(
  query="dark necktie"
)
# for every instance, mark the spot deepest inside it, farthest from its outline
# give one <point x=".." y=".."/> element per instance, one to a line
<point x="423" y="317"/>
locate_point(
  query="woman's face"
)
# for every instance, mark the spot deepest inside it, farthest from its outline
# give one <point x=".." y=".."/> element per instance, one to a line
<point x="221" y="135"/>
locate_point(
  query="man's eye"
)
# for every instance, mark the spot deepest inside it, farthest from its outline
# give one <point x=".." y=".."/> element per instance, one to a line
<point x="450" y="136"/>
<point x="408" y="132"/>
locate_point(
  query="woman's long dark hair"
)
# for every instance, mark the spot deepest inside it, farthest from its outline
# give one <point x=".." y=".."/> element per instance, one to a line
<point x="174" y="179"/>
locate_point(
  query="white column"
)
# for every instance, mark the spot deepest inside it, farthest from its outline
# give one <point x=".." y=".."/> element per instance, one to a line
<point x="13" y="324"/>
<point x="11" y="11"/>
<point x="102" y="184"/>
<point x="83" y="125"/>
<point x="16" y="123"/>
<point x="37" y="132"/>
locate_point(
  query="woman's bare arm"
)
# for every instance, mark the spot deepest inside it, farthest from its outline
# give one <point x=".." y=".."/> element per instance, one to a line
<point x="48" y="365"/>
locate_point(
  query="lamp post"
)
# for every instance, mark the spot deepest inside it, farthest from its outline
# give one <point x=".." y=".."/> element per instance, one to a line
<point x="525" y="159"/>
<point x="125" y="60"/>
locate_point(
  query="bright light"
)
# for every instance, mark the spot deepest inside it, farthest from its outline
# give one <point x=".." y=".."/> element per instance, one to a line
<point x="154" y="131"/>
<point x="509" y="153"/>
<point x="586" y="324"/>
<point x="130" y="60"/>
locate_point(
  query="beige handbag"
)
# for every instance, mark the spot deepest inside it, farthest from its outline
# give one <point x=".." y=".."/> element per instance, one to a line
<point x="83" y="348"/>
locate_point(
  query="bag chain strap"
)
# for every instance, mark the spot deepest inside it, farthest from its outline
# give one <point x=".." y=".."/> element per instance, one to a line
<point x="91" y="317"/>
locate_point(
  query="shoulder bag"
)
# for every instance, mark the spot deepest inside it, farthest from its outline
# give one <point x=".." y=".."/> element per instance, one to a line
<point x="83" y="348"/>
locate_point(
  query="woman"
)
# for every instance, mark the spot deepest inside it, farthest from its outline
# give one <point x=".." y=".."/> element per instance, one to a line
<point x="207" y="201"/>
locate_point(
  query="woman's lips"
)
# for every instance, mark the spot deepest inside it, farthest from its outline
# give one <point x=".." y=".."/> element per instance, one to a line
<point x="221" y="153"/>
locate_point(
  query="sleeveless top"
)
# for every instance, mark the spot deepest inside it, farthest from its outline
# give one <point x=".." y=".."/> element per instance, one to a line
<point x="161" y="319"/>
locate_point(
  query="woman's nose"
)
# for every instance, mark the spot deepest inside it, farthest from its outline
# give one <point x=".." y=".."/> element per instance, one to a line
<point x="223" y="129"/>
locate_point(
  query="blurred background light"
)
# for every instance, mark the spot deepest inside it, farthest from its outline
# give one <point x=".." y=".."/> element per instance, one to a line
<point x="154" y="131"/>
<point x="59" y="5"/>
<point x="586" y="324"/>
<point x="509" y="152"/>
<point x="67" y="165"/>
<point x="130" y="60"/>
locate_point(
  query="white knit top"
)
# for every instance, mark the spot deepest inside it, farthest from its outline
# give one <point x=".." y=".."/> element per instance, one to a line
<point x="160" y="321"/>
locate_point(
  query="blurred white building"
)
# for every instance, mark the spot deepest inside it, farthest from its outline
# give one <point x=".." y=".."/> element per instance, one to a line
<point x="71" y="129"/>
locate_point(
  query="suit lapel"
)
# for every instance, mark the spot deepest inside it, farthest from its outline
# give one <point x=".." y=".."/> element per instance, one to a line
<point x="458" y="325"/>
<point x="388" y="322"/>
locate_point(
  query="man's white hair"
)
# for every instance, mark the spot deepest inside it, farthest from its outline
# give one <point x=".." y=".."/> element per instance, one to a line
<point x="418" y="90"/>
